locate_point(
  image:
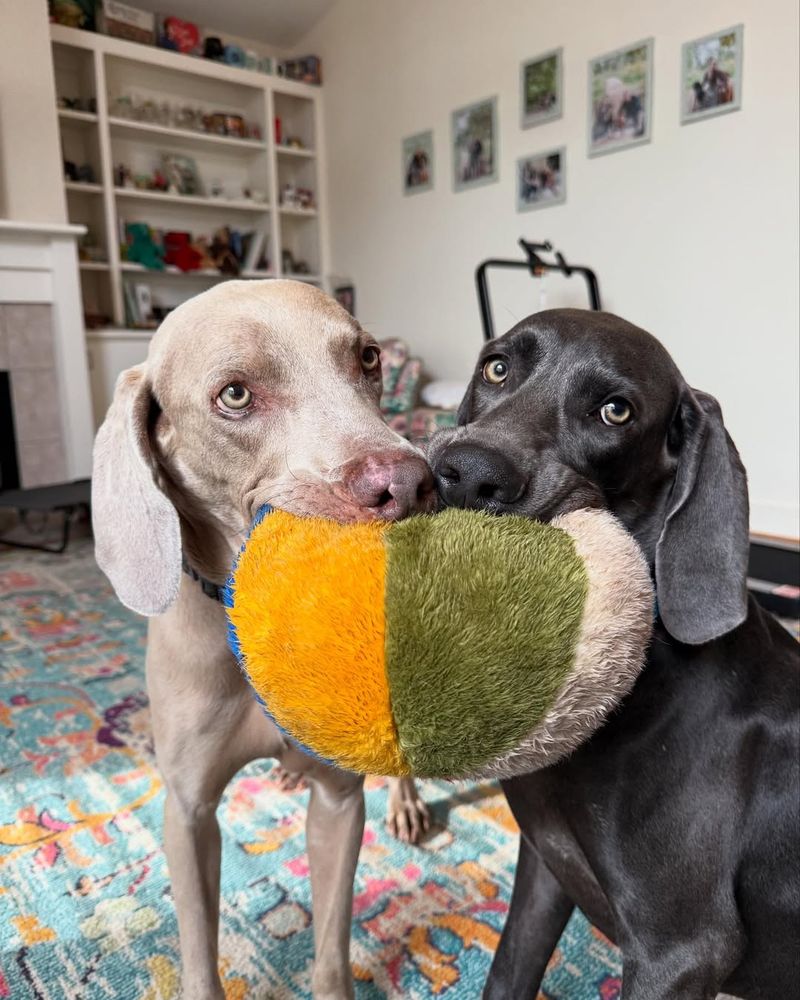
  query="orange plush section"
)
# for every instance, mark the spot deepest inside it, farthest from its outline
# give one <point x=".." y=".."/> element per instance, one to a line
<point x="308" y="609"/>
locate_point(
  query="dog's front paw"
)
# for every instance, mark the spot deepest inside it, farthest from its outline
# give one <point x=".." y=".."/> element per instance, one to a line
<point x="407" y="816"/>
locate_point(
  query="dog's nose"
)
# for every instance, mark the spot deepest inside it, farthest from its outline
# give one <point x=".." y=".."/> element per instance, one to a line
<point x="468" y="475"/>
<point x="392" y="485"/>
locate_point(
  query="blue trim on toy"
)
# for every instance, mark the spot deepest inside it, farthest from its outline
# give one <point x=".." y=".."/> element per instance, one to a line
<point x="227" y="598"/>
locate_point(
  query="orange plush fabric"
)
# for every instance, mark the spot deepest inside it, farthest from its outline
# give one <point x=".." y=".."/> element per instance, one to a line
<point x="303" y="663"/>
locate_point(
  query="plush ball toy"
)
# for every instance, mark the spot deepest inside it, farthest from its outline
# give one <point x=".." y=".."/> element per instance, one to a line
<point x="450" y="645"/>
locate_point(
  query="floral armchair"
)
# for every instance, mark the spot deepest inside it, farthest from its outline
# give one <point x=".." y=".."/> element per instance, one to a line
<point x="402" y="376"/>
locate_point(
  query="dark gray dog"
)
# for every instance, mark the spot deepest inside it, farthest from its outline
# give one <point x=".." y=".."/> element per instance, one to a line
<point x="675" y="828"/>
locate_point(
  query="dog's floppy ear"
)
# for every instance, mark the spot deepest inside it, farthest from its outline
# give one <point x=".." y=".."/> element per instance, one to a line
<point x="136" y="529"/>
<point x="701" y="556"/>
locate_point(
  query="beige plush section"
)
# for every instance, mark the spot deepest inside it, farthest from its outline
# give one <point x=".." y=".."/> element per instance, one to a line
<point x="615" y="632"/>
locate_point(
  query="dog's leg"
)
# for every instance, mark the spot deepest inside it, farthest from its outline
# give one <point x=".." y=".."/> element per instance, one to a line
<point x="692" y="969"/>
<point x="334" y="830"/>
<point x="538" y="914"/>
<point x="406" y="815"/>
<point x="192" y="847"/>
<point x="206" y="726"/>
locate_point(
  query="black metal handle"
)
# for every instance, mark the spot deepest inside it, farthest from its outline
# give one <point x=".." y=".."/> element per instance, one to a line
<point x="536" y="266"/>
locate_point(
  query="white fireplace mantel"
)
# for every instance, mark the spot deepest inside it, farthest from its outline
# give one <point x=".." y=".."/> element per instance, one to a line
<point x="39" y="265"/>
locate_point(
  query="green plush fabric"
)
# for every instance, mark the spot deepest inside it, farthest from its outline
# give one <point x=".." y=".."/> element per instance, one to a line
<point x="468" y="684"/>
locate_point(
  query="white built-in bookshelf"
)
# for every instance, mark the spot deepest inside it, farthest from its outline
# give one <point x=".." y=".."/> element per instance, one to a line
<point x="241" y="179"/>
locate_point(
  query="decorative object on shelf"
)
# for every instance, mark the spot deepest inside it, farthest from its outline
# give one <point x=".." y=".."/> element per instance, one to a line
<point x="418" y="162"/>
<point x="289" y="196"/>
<point x="181" y="172"/>
<point x="345" y="295"/>
<point x="291" y="266"/>
<point x="541" y="179"/>
<point x="180" y="36"/>
<point x="179" y="252"/>
<point x="123" y="178"/>
<point x="144" y="302"/>
<point x="278" y="130"/>
<point x="120" y="20"/>
<point x="83" y="174"/>
<point x="222" y="251"/>
<point x="620" y="98"/>
<point x="298" y="198"/>
<point x="90" y="249"/>
<point x="294" y="142"/>
<point x="142" y="246"/>
<point x="541" y="80"/>
<point x="213" y="48"/>
<point x="711" y="75"/>
<point x="265" y="64"/>
<point x="475" y="159"/>
<point x="184" y="116"/>
<point x="234" y="56"/>
<point x="254" y="194"/>
<point x="138" y="306"/>
<point x="95" y="320"/>
<point x="307" y="69"/>
<point x="73" y="13"/>
<point x="235" y="126"/>
<point x="85" y="104"/>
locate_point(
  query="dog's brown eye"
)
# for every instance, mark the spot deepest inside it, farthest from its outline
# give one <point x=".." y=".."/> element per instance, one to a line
<point x="615" y="412"/>
<point x="370" y="358"/>
<point x="495" y="371"/>
<point x="235" y="396"/>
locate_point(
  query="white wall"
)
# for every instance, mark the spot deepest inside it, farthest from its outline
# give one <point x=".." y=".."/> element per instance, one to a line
<point x="694" y="236"/>
<point x="31" y="187"/>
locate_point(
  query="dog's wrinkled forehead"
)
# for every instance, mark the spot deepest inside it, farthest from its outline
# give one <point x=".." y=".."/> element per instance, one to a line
<point x="276" y="330"/>
<point x="571" y="342"/>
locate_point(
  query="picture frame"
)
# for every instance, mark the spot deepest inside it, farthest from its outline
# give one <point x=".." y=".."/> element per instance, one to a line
<point x="418" y="162"/>
<point x="474" y="142"/>
<point x="711" y="75"/>
<point x="620" y="98"/>
<point x="541" y="179"/>
<point x="345" y="295"/>
<point x="541" y="89"/>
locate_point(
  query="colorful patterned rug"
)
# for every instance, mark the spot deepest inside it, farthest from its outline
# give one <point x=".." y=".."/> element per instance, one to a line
<point x="85" y="907"/>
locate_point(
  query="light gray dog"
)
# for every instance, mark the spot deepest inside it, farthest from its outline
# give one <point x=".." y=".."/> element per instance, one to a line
<point x="252" y="392"/>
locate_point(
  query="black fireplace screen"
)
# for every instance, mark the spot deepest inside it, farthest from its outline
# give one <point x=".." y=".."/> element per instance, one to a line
<point x="9" y="467"/>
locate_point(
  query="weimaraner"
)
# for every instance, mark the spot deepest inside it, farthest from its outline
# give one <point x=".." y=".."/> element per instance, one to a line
<point x="252" y="392"/>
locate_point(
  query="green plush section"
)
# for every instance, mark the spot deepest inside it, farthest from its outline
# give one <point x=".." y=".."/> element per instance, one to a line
<point x="482" y="617"/>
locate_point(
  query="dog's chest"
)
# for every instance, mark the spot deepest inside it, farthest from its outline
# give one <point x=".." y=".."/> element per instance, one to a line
<point x="542" y="825"/>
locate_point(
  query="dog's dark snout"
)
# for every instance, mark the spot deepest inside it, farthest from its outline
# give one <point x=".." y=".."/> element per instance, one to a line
<point x="392" y="485"/>
<point x="469" y="475"/>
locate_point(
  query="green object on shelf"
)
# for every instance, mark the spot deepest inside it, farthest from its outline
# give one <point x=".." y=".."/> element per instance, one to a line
<point x="142" y="248"/>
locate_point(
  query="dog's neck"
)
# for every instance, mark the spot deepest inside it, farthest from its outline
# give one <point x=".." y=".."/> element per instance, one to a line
<point x="209" y="548"/>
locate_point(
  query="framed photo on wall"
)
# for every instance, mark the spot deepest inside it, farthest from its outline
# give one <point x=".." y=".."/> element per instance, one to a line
<point x="542" y="179"/>
<point x="541" y="82"/>
<point x="620" y="98"/>
<point x="711" y="75"/>
<point x="475" y="159"/>
<point x="418" y="162"/>
<point x="345" y="295"/>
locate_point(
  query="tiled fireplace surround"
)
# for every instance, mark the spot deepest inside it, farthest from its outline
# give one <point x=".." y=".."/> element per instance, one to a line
<point x="27" y="353"/>
<point x="43" y="348"/>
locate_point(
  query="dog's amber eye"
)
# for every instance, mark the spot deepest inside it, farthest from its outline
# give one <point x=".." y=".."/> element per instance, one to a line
<point x="495" y="371"/>
<point x="370" y="358"/>
<point x="616" y="411"/>
<point x="235" y="396"/>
